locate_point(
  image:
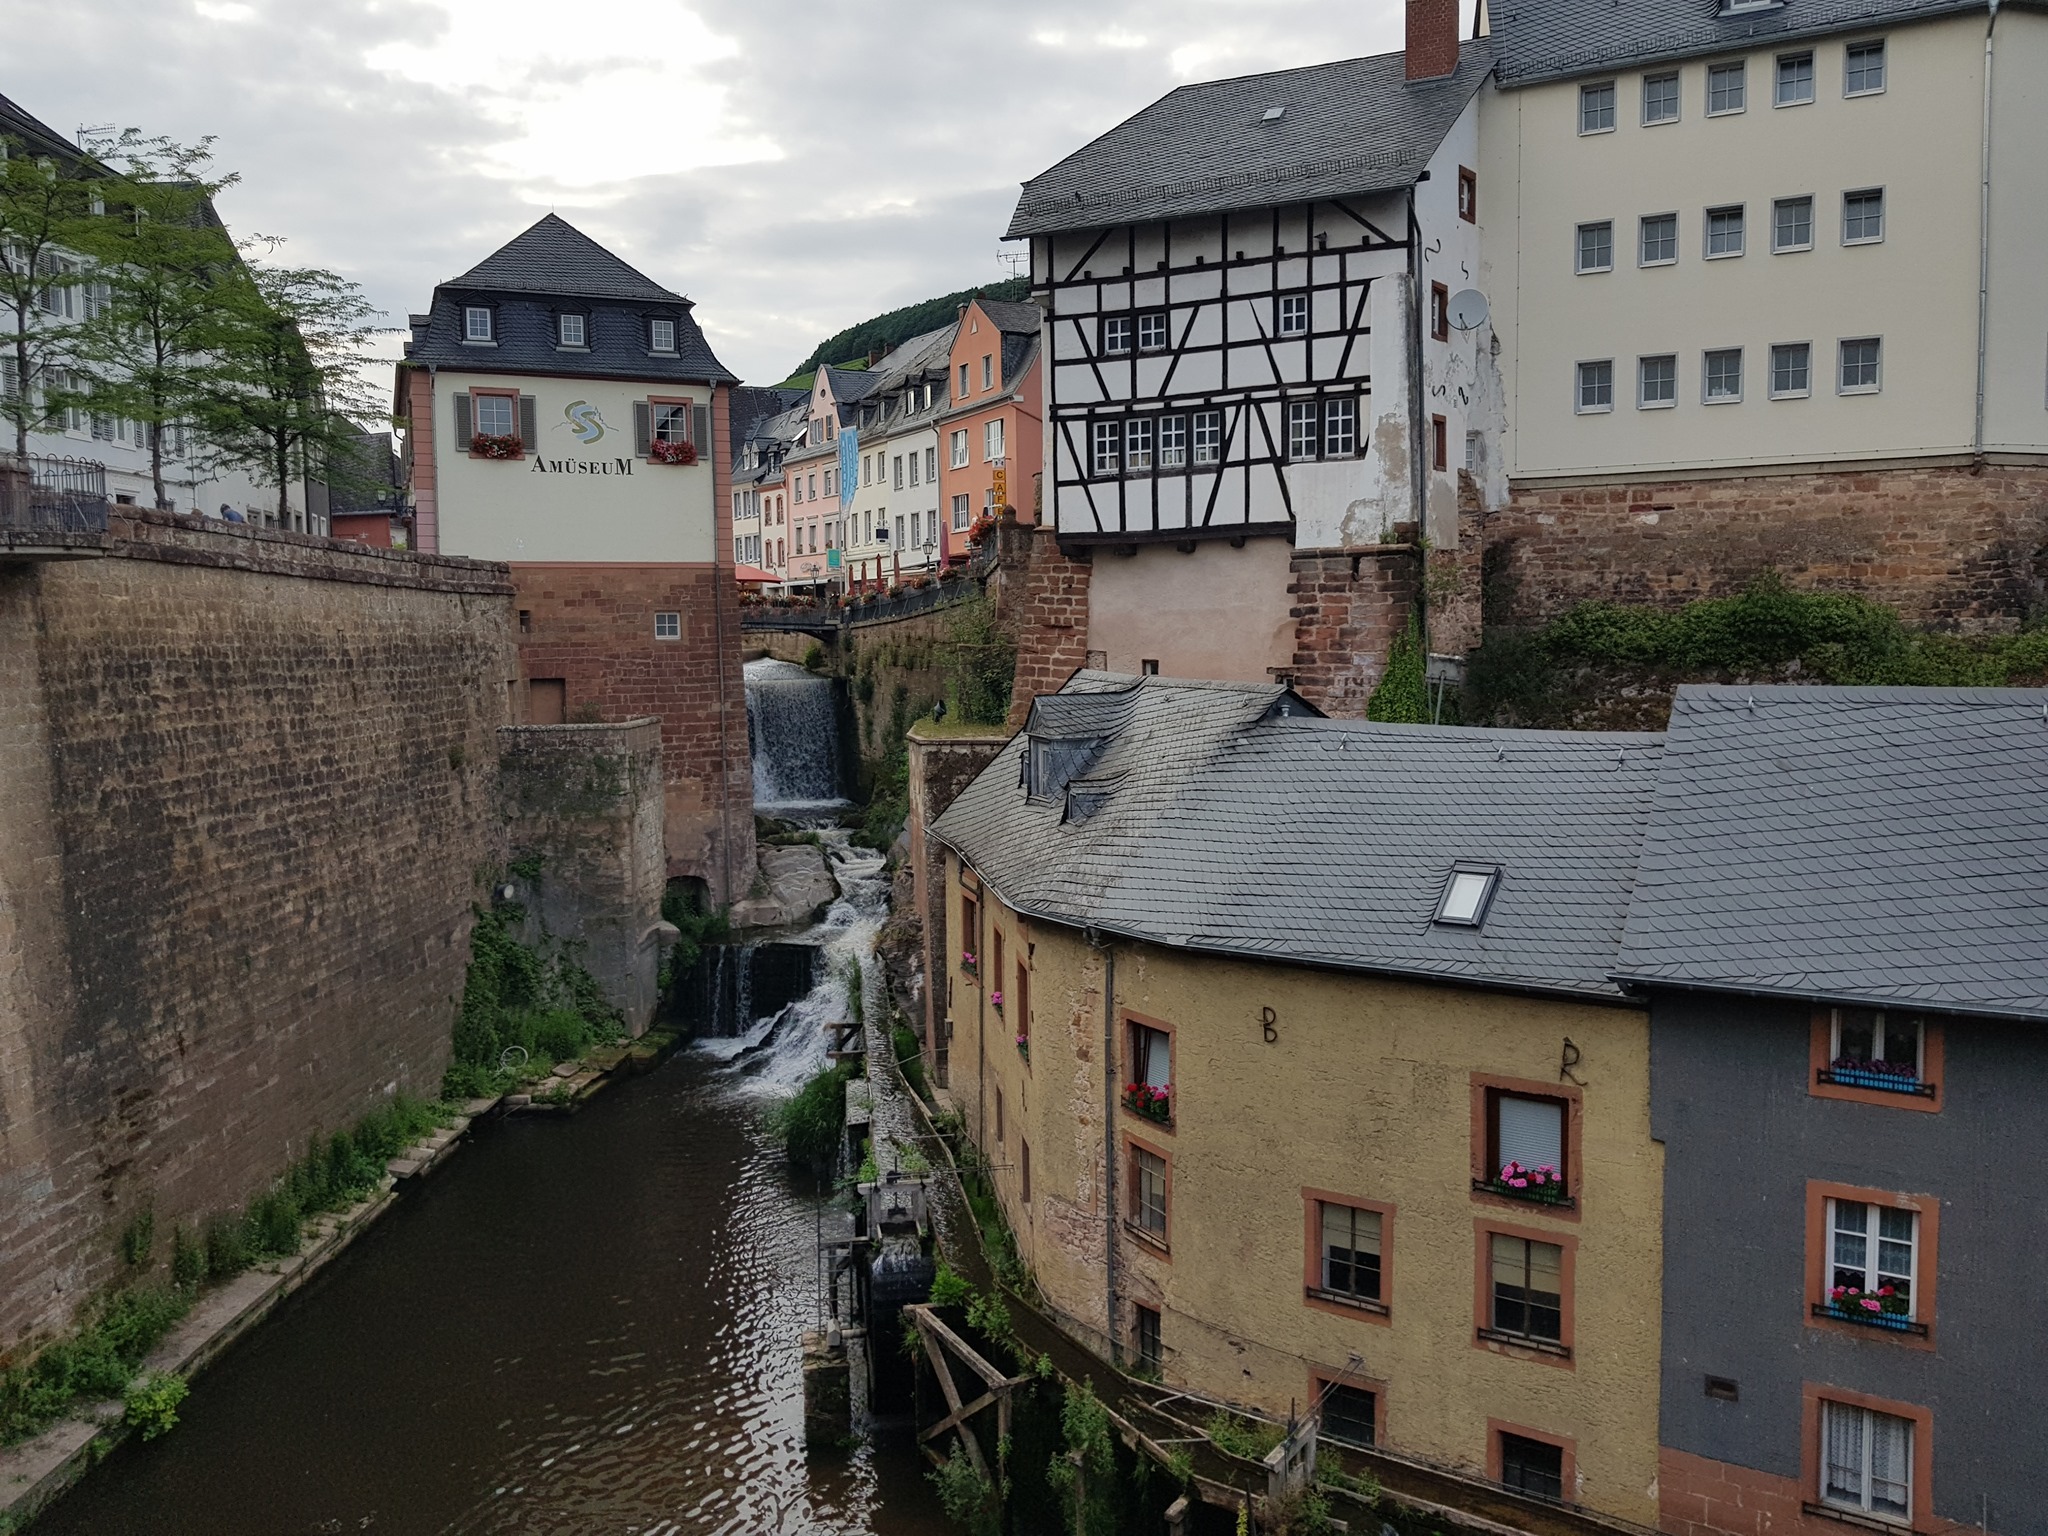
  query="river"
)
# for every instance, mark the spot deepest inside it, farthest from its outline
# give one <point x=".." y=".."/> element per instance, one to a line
<point x="578" y="1324"/>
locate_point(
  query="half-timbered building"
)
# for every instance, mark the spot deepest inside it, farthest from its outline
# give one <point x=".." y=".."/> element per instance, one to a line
<point x="1250" y="349"/>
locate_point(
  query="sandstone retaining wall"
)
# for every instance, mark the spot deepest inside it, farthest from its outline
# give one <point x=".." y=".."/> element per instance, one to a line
<point x="247" y="783"/>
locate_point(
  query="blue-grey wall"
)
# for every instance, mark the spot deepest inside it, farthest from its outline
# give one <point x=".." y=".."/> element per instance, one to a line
<point x="1742" y="1136"/>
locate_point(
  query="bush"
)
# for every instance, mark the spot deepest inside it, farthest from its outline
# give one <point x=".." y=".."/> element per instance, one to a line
<point x="153" y="1402"/>
<point x="188" y="1258"/>
<point x="96" y="1362"/>
<point x="949" y="1289"/>
<point x="1403" y="693"/>
<point x="1249" y="1438"/>
<point x="967" y="1496"/>
<point x="811" y="1122"/>
<point x="909" y="1057"/>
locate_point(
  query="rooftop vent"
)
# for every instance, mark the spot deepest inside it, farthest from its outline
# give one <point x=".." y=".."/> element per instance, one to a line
<point x="1467" y="894"/>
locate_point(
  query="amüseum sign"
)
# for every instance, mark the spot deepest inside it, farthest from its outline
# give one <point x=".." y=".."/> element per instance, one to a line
<point x="582" y="466"/>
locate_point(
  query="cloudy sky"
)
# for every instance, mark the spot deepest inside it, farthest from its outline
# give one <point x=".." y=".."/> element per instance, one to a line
<point x="792" y="165"/>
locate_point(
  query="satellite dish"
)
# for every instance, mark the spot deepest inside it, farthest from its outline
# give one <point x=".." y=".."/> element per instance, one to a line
<point x="1468" y="309"/>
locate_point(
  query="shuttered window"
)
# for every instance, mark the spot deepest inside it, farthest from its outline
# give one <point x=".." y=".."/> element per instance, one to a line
<point x="1529" y="1132"/>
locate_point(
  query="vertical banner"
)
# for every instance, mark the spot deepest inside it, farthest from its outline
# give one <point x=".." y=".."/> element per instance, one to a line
<point x="849" y="464"/>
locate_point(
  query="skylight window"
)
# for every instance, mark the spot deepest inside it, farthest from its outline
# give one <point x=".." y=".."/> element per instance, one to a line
<point x="1466" y="896"/>
<point x="1274" y="114"/>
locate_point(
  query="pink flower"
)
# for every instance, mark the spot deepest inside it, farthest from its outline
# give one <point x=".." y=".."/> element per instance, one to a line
<point x="1871" y="1306"/>
<point x="1519" y="1183"/>
<point x="996" y="998"/>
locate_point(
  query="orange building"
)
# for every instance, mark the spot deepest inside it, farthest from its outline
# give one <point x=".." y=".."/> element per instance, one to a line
<point x="991" y="443"/>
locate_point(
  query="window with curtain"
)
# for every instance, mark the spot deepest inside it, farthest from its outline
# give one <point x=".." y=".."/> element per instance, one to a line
<point x="1350" y="1251"/>
<point x="1866" y="1461"/>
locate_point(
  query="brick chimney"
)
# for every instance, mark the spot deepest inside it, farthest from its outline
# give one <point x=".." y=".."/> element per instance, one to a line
<point x="1432" y="38"/>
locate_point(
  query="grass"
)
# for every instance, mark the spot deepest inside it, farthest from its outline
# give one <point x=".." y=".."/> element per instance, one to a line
<point x="1249" y="1438"/>
<point x="811" y="1121"/>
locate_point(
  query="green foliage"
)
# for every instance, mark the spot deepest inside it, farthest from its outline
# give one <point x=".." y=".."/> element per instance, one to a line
<point x="1091" y="1456"/>
<point x="138" y="1240"/>
<point x="987" y="1314"/>
<point x="550" y="1007"/>
<point x="1305" y="1512"/>
<point x="1180" y="1466"/>
<point x="966" y="1495"/>
<point x="814" y="658"/>
<point x="981" y="664"/>
<point x="810" y="1122"/>
<point x="909" y="1057"/>
<point x="696" y="920"/>
<point x="1402" y="694"/>
<point x="1564" y="672"/>
<point x="856" y="992"/>
<point x="888" y="803"/>
<point x="153" y="1402"/>
<point x="898" y="326"/>
<point x="94" y="1363"/>
<point x="526" y="867"/>
<point x="45" y="206"/>
<point x="1364" y="1485"/>
<point x="188" y="1258"/>
<point x="1249" y="1438"/>
<point x="949" y="1289"/>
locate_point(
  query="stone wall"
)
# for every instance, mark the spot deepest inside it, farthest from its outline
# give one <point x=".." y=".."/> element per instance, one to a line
<point x="943" y="760"/>
<point x="591" y="627"/>
<point x="1041" y="594"/>
<point x="1348" y="607"/>
<point x="1944" y="545"/>
<point x="583" y="807"/>
<point x="247" y="782"/>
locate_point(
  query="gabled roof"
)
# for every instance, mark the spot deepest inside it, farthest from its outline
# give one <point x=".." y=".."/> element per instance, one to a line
<point x="1349" y="128"/>
<point x="1538" y="40"/>
<point x="850" y="384"/>
<point x="555" y="257"/>
<point x="37" y="135"/>
<point x="1198" y="816"/>
<point x="754" y="406"/>
<point x="1017" y="319"/>
<point x="1878" y="845"/>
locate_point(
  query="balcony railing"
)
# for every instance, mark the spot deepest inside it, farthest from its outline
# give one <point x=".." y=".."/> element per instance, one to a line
<point x="1855" y="1075"/>
<point x="46" y="501"/>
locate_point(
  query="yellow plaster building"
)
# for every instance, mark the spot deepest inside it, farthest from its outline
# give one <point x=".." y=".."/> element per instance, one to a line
<point x="1304" y="987"/>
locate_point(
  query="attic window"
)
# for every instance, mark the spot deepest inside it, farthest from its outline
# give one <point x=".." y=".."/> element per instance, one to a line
<point x="1273" y="114"/>
<point x="1744" y="7"/>
<point x="661" y="335"/>
<point x="1467" y="894"/>
<point x="476" y="323"/>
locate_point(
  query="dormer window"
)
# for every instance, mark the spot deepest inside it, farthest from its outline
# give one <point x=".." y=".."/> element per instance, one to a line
<point x="1467" y="895"/>
<point x="1748" y="7"/>
<point x="477" y="323"/>
<point x="572" y="331"/>
<point x="661" y="335"/>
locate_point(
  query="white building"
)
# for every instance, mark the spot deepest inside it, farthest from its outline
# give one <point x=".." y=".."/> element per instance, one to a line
<point x="893" y="525"/>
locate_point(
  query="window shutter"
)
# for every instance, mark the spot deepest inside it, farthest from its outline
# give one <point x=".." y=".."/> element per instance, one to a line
<point x="643" y="428"/>
<point x="464" y="430"/>
<point x="700" y="428"/>
<point x="1531" y="1132"/>
<point x="529" y="422"/>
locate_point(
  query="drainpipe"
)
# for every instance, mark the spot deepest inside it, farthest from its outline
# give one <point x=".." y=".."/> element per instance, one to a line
<point x="1984" y="251"/>
<point x="1418" y="423"/>
<point x="1108" y="951"/>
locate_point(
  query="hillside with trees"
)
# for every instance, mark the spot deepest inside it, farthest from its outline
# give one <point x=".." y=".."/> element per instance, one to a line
<point x="856" y="342"/>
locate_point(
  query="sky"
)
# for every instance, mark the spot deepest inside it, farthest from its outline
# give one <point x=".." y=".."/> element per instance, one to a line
<point x="793" y="166"/>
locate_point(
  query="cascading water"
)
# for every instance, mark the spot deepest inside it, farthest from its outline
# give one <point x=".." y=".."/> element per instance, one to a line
<point x="793" y="730"/>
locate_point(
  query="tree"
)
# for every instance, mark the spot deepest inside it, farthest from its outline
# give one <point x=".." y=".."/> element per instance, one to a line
<point x="287" y="388"/>
<point x="162" y="263"/>
<point x="43" y="203"/>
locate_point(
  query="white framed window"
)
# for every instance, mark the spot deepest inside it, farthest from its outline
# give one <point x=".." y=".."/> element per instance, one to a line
<point x="1116" y="337"/>
<point x="1791" y="370"/>
<point x="1303" y="434"/>
<point x="1866" y="1461"/>
<point x="1467" y="894"/>
<point x="1721" y="376"/>
<point x="1660" y="98"/>
<point x="867" y="469"/>
<point x="931" y="465"/>
<point x="1596" y="108"/>
<point x="1350" y="1252"/>
<point x="1152" y="331"/>
<point x="916" y="528"/>
<point x="899" y="532"/>
<point x="672" y="425"/>
<point x="1727" y="88"/>
<point x="896" y="470"/>
<point x="1792" y="224"/>
<point x="1657" y="382"/>
<point x="477" y="323"/>
<point x="1793" y="80"/>
<point x="495" y="415"/>
<point x="963" y="373"/>
<point x="1596" y="247"/>
<point x="988" y="371"/>
<point x="1873" y="1256"/>
<point x="1138" y="443"/>
<point x="668" y="626"/>
<point x="1863" y="68"/>
<point x="961" y="513"/>
<point x="1208" y="434"/>
<point x="914" y="461"/>
<point x="571" y="331"/>
<point x="1340" y="427"/>
<point x="661" y="335"/>
<point x="1861" y="366"/>
<point x="1173" y="442"/>
<point x="1863" y="216"/>
<point x="1291" y="314"/>
<point x="1109" y="447"/>
<point x="1658" y="246"/>
<point x="1724" y="232"/>
<point x="959" y="446"/>
<point x="992" y="440"/>
<point x="1869" y="1041"/>
<point x="1596" y="387"/>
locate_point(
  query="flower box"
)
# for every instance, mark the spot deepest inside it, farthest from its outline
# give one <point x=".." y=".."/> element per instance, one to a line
<point x="1884" y="1077"/>
<point x="996" y="1000"/>
<point x="968" y="963"/>
<point x="661" y="451"/>
<point x="1883" y="1308"/>
<point x="1153" y="1103"/>
<point x="1542" y="1185"/>
<point x="496" y="445"/>
<point x="1024" y="1046"/>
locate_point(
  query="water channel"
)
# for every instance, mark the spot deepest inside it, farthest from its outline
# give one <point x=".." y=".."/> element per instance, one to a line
<point x="579" y="1324"/>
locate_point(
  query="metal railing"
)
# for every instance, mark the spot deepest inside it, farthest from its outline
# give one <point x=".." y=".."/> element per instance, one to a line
<point x="50" y="500"/>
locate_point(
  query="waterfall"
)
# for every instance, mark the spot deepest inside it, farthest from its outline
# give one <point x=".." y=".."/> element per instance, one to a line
<point x="793" y="731"/>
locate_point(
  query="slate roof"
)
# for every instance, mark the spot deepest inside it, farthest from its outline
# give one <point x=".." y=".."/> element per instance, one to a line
<point x="1020" y="319"/>
<point x="1552" y="39"/>
<point x="1205" y="822"/>
<point x="555" y="257"/>
<point x="753" y="406"/>
<point x="1879" y="845"/>
<point x="1350" y="128"/>
<point x="18" y="123"/>
<point x="533" y="277"/>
